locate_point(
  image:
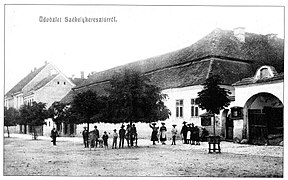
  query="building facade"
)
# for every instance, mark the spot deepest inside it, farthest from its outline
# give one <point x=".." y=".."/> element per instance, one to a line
<point x="232" y="54"/>
<point x="46" y="84"/>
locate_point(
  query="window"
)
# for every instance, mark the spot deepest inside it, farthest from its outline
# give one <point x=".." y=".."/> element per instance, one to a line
<point x="64" y="83"/>
<point x="206" y="121"/>
<point x="194" y="108"/>
<point x="179" y="108"/>
<point x="236" y="112"/>
<point x="264" y="73"/>
<point x="58" y="82"/>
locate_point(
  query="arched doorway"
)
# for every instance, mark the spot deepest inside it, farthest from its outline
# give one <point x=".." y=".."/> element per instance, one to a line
<point x="264" y="119"/>
<point x="227" y="125"/>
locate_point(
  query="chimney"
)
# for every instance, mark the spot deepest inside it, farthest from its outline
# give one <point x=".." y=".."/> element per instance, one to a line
<point x="82" y="74"/>
<point x="239" y="33"/>
<point x="35" y="68"/>
<point x="46" y="62"/>
<point x="73" y="76"/>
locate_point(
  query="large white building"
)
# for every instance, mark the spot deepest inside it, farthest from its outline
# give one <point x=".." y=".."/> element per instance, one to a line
<point x="235" y="56"/>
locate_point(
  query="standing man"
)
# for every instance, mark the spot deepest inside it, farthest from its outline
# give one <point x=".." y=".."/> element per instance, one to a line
<point x="53" y="136"/>
<point x="85" y="135"/>
<point x="184" y="131"/>
<point x="122" y="136"/>
<point x="174" y="134"/>
<point x="94" y="137"/>
<point x="115" y="136"/>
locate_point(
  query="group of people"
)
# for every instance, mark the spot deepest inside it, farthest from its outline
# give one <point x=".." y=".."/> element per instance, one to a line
<point x="92" y="138"/>
<point x="189" y="134"/>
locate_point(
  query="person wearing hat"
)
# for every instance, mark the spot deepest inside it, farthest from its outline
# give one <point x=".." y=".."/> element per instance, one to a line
<point x="115" y="136"/>
<point x="85" y="135"/>
<point x="154" y="136"/>
<point x="174" y="134"/>
<point x="105" y="140"/>
<point x="94" y="135"/>
<point x="184" y="131"/>
<point x="122" y="132"/>
<point x="162" y="132"/>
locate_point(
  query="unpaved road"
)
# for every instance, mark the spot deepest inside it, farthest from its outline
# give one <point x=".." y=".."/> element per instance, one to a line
<point x="23" y="156"/>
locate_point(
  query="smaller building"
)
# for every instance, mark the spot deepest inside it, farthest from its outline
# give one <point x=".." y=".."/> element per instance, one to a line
<point x="258" y="116"/>
<point x="46" y="84"/>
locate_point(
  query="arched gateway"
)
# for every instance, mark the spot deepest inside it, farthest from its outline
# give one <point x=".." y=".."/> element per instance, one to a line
<point x="263" y="118"/>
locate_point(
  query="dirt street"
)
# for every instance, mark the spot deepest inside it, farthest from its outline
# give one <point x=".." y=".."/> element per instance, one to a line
<point x="24" y="156"/>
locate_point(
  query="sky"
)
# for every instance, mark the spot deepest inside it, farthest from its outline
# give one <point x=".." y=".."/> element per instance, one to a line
<point x="139" y="33"/>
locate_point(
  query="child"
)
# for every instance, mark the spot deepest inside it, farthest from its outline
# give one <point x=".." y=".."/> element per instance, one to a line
<point x="105" y="140"/>
<point x="115" y="136"/>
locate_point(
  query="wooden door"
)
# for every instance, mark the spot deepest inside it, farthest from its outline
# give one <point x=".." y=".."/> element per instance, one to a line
<point x="258" y="131"/>
<point x="229" y="128"/>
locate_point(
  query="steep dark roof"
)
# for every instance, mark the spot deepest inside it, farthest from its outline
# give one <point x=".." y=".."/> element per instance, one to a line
<point x="252" y="80"/>
<point x="221" y="44"/>
<point x="77" y="81"/>
<point x="19" y="86"/>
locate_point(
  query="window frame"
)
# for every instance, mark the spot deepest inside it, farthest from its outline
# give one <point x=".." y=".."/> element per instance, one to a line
<point x="179" y="108"/>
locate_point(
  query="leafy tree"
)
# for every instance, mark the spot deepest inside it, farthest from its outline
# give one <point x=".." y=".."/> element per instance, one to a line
<point x="33" y="115"/>
<point x="85" y="105"/>
<point x="213" y="98"/>
<point x="57" y="111"/>
<point x="132" y="98"/>
<point x="11" y="117"/>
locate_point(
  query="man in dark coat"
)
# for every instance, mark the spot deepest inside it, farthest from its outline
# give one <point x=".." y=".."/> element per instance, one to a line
<point x="53" y="136"/>
<point x="122" y="136"/>
<point x="85" y="135"/>
<point x="184" y="131"/>
<point x="95" y="136"/>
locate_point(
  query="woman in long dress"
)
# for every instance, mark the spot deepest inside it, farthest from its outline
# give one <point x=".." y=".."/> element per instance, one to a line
<point x="162" y="131"/>
<point x="154" y="136"/>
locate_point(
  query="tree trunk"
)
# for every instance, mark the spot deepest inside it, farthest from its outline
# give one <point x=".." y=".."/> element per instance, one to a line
<point x="88" y="127"/>
<point x="35" y="133"/>
<point x="8" y="131"/>
<point x="131" y="136"/>
<point x="214" y="125"/>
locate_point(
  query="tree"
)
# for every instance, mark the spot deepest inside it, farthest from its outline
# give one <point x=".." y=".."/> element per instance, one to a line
<point x="33" y="115"/>
<point x="213" y="98"/>
<point x="11" y="117"/>
<point x="132" y="98"/>
<point x="85" y="105"/>
<point x="57" y="111"/>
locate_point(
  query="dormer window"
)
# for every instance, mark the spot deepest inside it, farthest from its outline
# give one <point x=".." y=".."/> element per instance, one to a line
<point x="265" y="72"/>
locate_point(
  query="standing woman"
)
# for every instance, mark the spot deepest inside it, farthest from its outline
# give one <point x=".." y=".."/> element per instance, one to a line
<point x="162" y="131"/>
<point x="154" y="133"/>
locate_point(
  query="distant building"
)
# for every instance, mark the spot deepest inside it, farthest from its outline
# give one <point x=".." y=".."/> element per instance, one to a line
<point x="235" y="56"/>
<point x="46" y="84"/>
